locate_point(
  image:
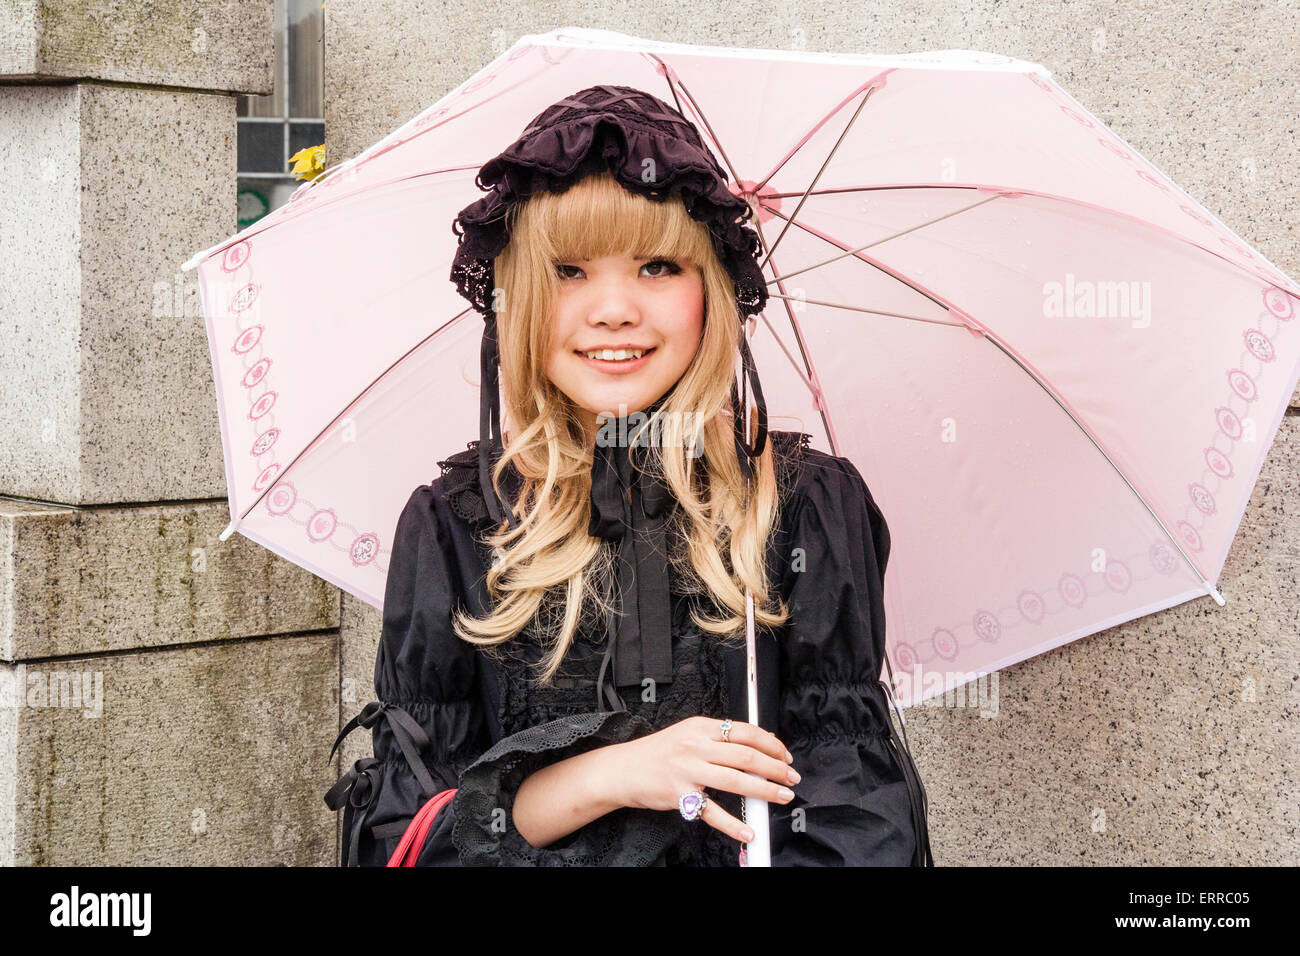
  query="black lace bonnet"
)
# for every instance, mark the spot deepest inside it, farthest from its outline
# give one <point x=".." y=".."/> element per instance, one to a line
<point x="616" y="128"/>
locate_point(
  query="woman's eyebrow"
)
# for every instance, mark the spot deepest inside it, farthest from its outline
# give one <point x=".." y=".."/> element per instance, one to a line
<point x="634" y="258"/>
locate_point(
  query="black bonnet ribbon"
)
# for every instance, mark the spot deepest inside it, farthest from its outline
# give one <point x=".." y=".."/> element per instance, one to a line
<point x="744" y="453"/>
<point x="490" y="447"/>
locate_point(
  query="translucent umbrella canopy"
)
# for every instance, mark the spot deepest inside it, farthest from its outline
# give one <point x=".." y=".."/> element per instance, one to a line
<point x="1058" y="372"/>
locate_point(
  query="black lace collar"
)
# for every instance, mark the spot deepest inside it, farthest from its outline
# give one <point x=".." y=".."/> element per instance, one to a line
<point x="461" y="486"/>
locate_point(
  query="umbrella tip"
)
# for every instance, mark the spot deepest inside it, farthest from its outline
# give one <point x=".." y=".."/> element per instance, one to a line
<point x="1214" y="593"/>
<point x="191" y="263"/>
<point x="230" y="529"/>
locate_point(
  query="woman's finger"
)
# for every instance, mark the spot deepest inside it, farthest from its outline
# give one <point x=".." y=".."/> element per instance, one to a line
<point x="722" y="821"/>
<point x="752" y="735"/>
<point x="746" y="758"/>
<point x="721" y="777"/>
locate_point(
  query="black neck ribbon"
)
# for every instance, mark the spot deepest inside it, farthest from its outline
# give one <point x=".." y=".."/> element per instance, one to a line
<point x="631" y="506"/>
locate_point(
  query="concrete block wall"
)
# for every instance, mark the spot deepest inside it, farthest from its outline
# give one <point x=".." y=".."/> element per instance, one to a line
<point x="1171" y="739"/>
<point x="110" y="399"/>
<point x="222" y="46"/>
<point x="165" y="697"/>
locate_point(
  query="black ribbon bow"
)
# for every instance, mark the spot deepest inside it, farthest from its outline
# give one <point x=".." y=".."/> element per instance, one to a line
<point x="355" y="792"/>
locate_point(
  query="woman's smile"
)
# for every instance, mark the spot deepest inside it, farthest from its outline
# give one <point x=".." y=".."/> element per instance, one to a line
<point x="614" y="365"/>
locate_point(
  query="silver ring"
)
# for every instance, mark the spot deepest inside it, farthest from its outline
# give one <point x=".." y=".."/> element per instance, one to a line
<point x="726" y="731"/>
<point x="691" y="804"/>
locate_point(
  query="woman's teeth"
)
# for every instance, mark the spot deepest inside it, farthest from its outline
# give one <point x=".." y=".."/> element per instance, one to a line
<point x="609" y="355"/>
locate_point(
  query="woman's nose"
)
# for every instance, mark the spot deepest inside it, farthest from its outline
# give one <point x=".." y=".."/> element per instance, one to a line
<point x="614" y="310"/>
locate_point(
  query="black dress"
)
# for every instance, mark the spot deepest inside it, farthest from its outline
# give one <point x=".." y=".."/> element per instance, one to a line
<point x="477" y="723"/>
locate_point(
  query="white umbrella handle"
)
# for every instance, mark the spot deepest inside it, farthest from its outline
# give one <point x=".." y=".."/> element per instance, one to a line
<point x="758" y="852"/>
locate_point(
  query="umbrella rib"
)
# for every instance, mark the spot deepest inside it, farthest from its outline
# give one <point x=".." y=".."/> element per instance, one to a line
<point x="1010" y="192"/>
<point x="675" y="81"/>
<point x="791" y="221"/>
<point x="993" y="338"/>
<point x="870" y="84"/>
<point x="826" y="162"/>
<point x="810" y="379"/>
<point x="262" y="225"/>
<point x="794" y="363"/>
<point x="1042" y="383"/>
<point x="857" y="253"/>
<point x="858" y="308"/>
<point x="233" y="526"/>
<point x="365" y="156"/>
<point x="667" y="74"/>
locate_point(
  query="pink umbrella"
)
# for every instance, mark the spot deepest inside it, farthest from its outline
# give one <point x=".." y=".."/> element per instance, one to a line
<point x="1059" y="374"/>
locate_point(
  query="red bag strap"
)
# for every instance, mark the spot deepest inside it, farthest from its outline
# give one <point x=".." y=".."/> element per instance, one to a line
<point x="408" y="848"/>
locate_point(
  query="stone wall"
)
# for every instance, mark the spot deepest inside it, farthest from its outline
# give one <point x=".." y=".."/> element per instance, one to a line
<point x="176" y="695"/>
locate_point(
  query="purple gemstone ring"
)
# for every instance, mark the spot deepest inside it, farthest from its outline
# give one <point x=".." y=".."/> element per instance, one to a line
<point x="691" y="803"/>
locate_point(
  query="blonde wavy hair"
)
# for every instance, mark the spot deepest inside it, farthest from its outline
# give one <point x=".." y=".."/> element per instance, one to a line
<point x="549" y="571"/>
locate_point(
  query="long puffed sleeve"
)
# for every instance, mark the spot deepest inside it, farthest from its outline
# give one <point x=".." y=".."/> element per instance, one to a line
<point x="428" y="723"/>
<point x="853" y="805"/>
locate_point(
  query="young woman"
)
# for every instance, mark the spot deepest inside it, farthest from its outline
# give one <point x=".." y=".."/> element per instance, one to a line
<point x="564" y="620"/>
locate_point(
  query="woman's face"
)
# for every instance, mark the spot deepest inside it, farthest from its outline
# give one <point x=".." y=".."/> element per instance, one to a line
<point x="617" y="302"/>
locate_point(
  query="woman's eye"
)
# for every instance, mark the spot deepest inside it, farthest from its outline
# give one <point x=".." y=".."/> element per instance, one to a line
<point x="664" y="267"/>
<point x="672" y="268"/>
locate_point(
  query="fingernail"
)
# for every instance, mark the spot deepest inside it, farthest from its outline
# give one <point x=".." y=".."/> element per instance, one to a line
<point x="746" y="834"/>
<point x="785" y="794"/>
<point x="793" y="776"/>
<point x="789" y="757"/>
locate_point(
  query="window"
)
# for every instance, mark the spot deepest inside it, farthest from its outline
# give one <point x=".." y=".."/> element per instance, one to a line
<point x="292" y="117"/>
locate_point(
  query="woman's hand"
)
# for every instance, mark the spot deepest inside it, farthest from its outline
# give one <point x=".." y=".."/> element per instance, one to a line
<point x="653" y="771"/>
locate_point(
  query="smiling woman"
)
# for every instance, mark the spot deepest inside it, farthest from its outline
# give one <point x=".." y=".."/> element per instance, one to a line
<point x="583" y="271"/>
<point x="573" y="663"/>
